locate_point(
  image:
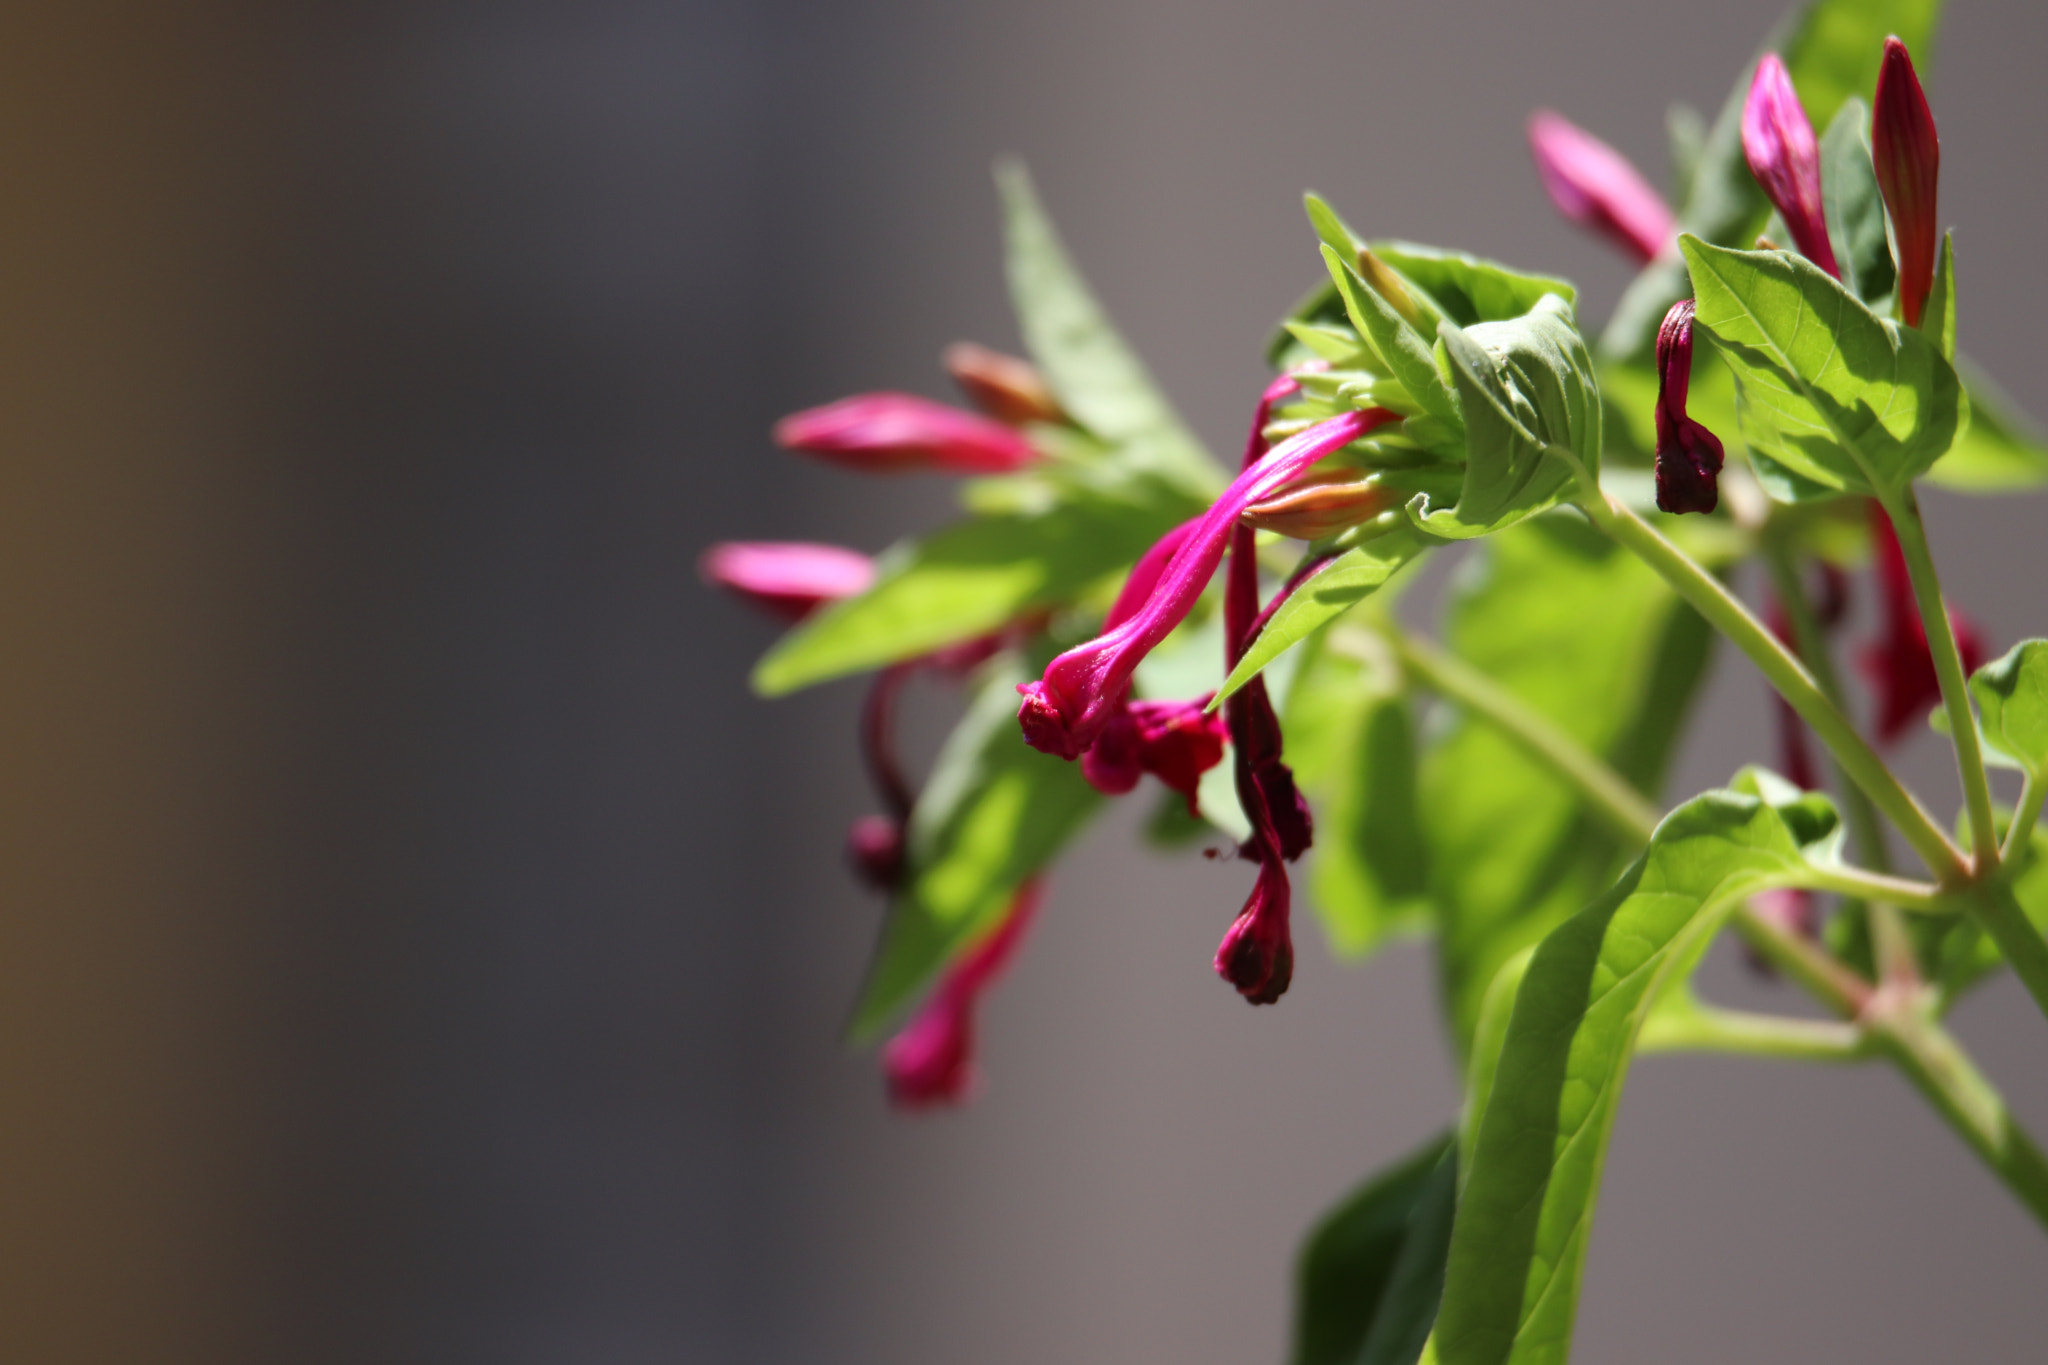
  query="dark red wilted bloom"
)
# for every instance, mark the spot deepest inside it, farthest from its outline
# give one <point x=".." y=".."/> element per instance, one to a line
<point x="1594" y="186"/>
<point x="888" y="433"/>
<point x="787" y="578"/>
<point x="1688" y="455"/>
<point x="1907" y="157"/>
<point x="931" y="1061"/>
<point x="1175" y="741"/>
<point x="1063" y="712"/>
<point x="1783" y="155"/>
<point x="1899" y="665"/>
<point x="1005" y="387"/>
<point x="1257" y="953"/>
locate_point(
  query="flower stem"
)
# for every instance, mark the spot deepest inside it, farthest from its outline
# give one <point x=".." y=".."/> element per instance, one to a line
<point x="1999" y="913"/>
<point x="1904" y="510"/>
<point x="2023" y="817"/>
<point x="1725" y="613"/>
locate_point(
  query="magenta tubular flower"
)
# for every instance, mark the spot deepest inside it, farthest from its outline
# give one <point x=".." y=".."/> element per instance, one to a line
<point x="1778" y="141"/>
<point x="931" y="1062"/>
<point x="1175" y="741"/>
<point x="1063" y="712"/>
<point x="1907" y="157"/>
<point x="1257" y="952"/>
<point x="787" y="578"/>
<point x="1688" y="455"/>
<point x="1899" y="665"/>
<point x="888" y="433"/>
<point x="1594" y="186"/>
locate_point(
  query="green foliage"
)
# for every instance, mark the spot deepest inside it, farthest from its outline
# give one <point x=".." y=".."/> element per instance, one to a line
<point x="1555" y="614"/>
<point x="1518" y="1247"/>
<point x="2002" y="451"/>
<point x="2011" y="693"/>
<point x="1370" y="1274"/>
<point x="1854" y="207"/>
<point x="1834" y="398"/>
<point x="993" y="813"/>
<point x="1528" y="392"/>
<point x="1405" y="353"/>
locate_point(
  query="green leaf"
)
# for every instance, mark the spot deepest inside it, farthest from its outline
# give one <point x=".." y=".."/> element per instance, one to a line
<point x="1518" y="1247"/>
<point x="962" y="583"/>
<point x="1351" y="742"/>
<point x="1407" y="356"/>
<point x="1938" y="313"/>
<point x="1368" y="1278"/>
<point x="1356" y="575"/>
<point x="1854" y="207"/>
<point x="1587" y="636"/>
<point x="2001" y="452"/>
<point x="1098" y="379"/>
<point x="2011" y="693"/>
<point x="1528" y="391"/>
<point x="994" y="812"/>
<point x="1470" y="289"/>
<point x="1834" y="398"/>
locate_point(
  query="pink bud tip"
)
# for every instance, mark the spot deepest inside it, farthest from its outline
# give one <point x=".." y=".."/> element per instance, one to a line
<point x="1783" y="155"/>
<point x="788" y="578"/>
<point x="1907" y="157"/>
<point x="1688" y="455"/>
<point x="931" y="1062"/>
<point x="886" y="433"/>
<point x="1595" y="186"/>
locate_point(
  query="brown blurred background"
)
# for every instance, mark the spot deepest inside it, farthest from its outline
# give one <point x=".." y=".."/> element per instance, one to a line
<point x="415" y="945"/>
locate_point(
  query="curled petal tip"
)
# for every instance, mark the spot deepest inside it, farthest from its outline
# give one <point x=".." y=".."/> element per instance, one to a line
<point x="1689" y="456"/>
<point x="1045" y="729"/>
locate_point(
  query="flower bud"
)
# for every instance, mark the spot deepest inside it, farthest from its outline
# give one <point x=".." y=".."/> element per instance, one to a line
<point x="787" y="578"/>
<point x="874" y="849"/>
<point x="1594" y="186"/>
<point x="1688" y="455"/>
<point x="931" y="1062"/>
<point x="888" y="433"/>
<point x="1783" y="155"/>
<point x="1257" y="952"/>
<point x="1003" y="386"/>
<point x="1907" y="157"/>
<point x="1320" y="505"/>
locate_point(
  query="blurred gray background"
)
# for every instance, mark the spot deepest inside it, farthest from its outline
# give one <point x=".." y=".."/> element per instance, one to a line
<point x="417" y="945"/>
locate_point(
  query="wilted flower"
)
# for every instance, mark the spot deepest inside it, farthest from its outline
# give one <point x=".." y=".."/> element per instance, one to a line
<point x="1005" y="387"/>
<point x="887" y="433"/>
<point x="1257" y="952"/>
<point x="932" y="1060"/>
<point x="1778" y="142"/>
<point x="1899" y="665"/>
<point x="1907" y="156"/>
<point x="1175" y="741"/>
<point x="787" y="578"/>
<point x="1594" y="186"/>
<point x="1688" y="455"/>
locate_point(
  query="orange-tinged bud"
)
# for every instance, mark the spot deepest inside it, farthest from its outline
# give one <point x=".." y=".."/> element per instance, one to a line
<point x="1005" y="387"/>
<point x="1390" y="287"/>
<point x="1320" y="506"/>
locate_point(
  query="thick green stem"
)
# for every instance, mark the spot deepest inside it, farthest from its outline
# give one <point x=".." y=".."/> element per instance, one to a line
<point x="1621" y="805"/>
<point x="1724" y="612"/>
<point x="1700" y="1027"/>
<point x="1904" y="510"/>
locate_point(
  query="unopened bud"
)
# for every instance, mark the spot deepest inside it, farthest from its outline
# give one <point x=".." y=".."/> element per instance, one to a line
<point x="874" y="848"/>
<point x="1320" y="506"/>
<point x="789" y="579"/>
<point x="1784" y="156"/>
<point x="1907" y="157"/>
<point x="886" y="433"/>
<point x="1003" y="386"/>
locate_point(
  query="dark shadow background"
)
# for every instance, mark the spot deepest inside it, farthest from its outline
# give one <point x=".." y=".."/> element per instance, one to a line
<point x="417" y="946"/>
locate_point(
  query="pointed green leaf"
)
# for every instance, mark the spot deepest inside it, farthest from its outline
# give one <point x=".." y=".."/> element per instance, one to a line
<point x="2011" y="693"/>
<point x="1408" y="357"/>
<point x="1938" y="313"/>
<point x="1528" y="392"/>
<point x="1096" y="376"/>
<point x="994" y="812"/>
<point x="1470" y="289"/>
<point x="1834" y="398"/>
<point x="1364" y="1278"/>
<point x="1518" y="1247"/>
<point x="1854" y="208"/>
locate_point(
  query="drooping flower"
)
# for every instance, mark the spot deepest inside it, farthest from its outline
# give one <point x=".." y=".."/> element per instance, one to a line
<point x="1175" y="741"/>
<point x="1005" y="387"/>
<point x="1784" y="156"/>
<point x="1899" y="665"/>
<point x="931" y="1061"/>
<point x="1907" y="157"/>
<point x="888" y="433"/>
<point x="1066" y="710"/>
<point x="1688" y="455"/>
<point x="1595" y="186"/>
<point x="789" y="579"/>
<point x="1257" y="952"/>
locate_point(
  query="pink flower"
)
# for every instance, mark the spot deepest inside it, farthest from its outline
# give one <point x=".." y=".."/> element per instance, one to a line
<point x="1006" y="388"/>
<point x="931" y="1061"/>
<point x="1257" y="953"/>
<point x="887" y="433"/>
<point x="1900" y="666"/>
<point x="1175" y="741"/>
<point x="787" y="578"/>
<point x="1907" y="156"/>
<point x="1778" y="142"/>
<point x="1065" y="711"/>
<point x="1688" y="455"/>
<point x="1594" y="186"/>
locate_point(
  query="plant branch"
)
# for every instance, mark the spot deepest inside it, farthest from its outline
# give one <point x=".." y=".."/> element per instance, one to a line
<point x="1904" y="510"/>
<point x="1724" y="612"/>
<point x="1700" y="1027"/>
<point x="2023" y="818"/>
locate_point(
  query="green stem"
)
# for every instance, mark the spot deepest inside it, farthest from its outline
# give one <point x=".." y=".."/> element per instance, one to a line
<point x="1996" y="909"/>
<point x="1610" y="795"/>
<point x="1700" y="1027"/>
<point x="2023" y="818"/>
<point x="1904" y="510"/>
<point x="1724" y="612"/>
